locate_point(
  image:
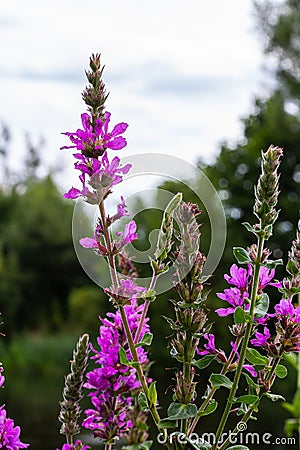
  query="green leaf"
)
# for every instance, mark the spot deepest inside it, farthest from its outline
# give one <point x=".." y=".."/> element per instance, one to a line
<point x="290" y="408"/>
<point x="291" y="358"/>
<point x="238" y="447"/>
<point x="123" y="357"/>
<point x="241" y="255"/>
<point x="218" y="380"/>
<point x="203" y="362"/>
<point x="201" y="444"/>
<point x="171" y="323"/>
<point x="252" y="385"/>
<point x="146" y="340"/>
<point x="211" y="407"/>
<point x="152" y="394"/>
<point x="290" y="426"/>
<point x="272" y="264"/>
<point x="174" y="203"/>
<point x="142" y="400"/>
<point x="143" y="446"/>
<point x="247" y="399"/>
<point x="281" y="371"/>
<point x="274" y="397"/>
<point x="178" y="411"/>
<point x="239" y="315"/>
<point x="249" y="227"/>
<point x="166" y="423"/>
<point x="262" y="305"/>
<point x="255" y="358"/>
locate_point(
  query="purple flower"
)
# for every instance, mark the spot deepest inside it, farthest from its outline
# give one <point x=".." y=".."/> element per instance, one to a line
<point x="9" y="433"/>
<point x="235" y="298"/>
<point x="210" y="348"/>
<point x="261" y="338"/>
<point x="77" y="446"/>
<point x="121" y="212"/>
<point x="286" y="308"/>
<point x="102" y="176"/>
<point x="129" y="235"/>
<point x="112" y="382"/>
<point x="95" y="242"/>
<point x="265" y="276"/>
<point x="97" y="139"/>
<point x="239" y="277"/>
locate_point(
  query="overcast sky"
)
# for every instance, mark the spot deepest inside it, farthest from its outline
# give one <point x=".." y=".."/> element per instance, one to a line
<point x="180" y="73"/>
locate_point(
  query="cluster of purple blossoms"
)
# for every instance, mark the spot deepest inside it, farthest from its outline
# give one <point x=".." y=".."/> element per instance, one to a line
<point x="287" y="322"/>
<point x="112" y="383"/>
<point x="96" y="138"/>
<point x="100" y="174"/>
<point x="242" y="280"/>
<point x="9" y="433"/>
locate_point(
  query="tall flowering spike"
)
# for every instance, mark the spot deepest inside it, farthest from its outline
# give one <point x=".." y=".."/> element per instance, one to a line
<point x="95" y="95"/>
<point x="72" y="394"/>
<point x="267" y="191"/>
<point x="291" y="284"/>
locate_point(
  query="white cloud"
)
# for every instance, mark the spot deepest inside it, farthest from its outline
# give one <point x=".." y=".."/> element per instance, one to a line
<point x="181" y="73"/>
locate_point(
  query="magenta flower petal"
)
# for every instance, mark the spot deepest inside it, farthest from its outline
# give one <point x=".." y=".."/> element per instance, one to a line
<point x="72" y="193"/>
<point x="88" y="242"/>
<point x="117" y="143"/>
<point x="119" y="129"/>
<point x="223" y="312"/>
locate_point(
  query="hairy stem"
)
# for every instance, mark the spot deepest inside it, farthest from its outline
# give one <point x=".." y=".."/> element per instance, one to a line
<point x="111" y="258"/>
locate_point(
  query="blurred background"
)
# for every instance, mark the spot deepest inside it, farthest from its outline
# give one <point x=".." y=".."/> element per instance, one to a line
<point x="211" y="82"/>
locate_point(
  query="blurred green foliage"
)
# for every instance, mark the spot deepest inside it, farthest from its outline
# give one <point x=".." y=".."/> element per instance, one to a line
<point x="42" y="286"/>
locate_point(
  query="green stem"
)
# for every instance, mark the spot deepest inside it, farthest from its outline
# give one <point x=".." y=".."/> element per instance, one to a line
<point x="69" y="439"/>
<point x="138" y="366"/>
<point x="271" y="376"/>
<point x="145" y="310"/>
<point x="111" y="258"/>
<point x="189" y="353"/>
<point x="108" y="447"/>
<point x="239" y="369"/>
<point x="213" y="390"/>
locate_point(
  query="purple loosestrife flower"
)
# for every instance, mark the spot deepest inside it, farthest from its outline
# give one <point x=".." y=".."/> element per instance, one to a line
<point x="239" y="277"/>
<point x="235" y="298"/>
<point x="242" y="279"/>
<point x="96" y="139"/>
<point x="9" y="433"/>
<point x="261" y="339"/>
<point x="210" y="348"/>
<point x="111" y="383"/>
<point x="102" y="176"/>
<point x="129" y="235"/>
<point x="286" y="308"/>
<point x="95" y="242"/>
<point x="77" y="446"/>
